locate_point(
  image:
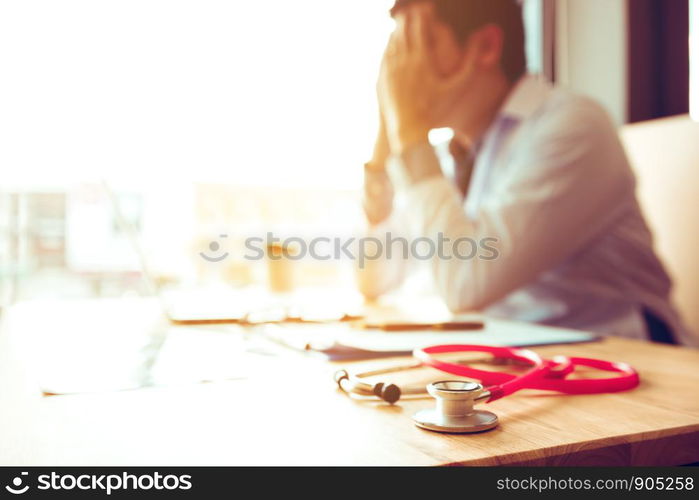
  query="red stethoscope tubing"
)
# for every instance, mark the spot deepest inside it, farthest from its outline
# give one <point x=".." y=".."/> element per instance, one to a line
<point x="543" y="374"/>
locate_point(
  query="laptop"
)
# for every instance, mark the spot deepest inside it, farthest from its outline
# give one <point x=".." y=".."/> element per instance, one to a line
<point x="227" y="305"/>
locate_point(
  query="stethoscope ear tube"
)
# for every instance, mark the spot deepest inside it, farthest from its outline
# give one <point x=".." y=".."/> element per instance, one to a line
<point x="627" y="380"/>
<point x="354" y="386"/>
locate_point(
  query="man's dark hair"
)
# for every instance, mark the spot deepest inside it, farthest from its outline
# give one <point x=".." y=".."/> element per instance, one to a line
<point x="466" y="16"/>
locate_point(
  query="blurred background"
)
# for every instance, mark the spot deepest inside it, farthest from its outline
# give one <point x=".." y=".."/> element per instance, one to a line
<point x="237" y="117"/>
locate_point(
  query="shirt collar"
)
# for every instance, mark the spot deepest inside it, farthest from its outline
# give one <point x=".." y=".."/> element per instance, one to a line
<point x="528" y="95"/>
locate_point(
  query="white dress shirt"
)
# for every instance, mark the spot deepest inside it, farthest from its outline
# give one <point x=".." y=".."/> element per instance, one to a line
<point x="552" y="184"/>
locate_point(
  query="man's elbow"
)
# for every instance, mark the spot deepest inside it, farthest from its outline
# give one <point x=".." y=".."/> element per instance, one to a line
<point x="369" y="285"/>
<point x="369" y="293"/>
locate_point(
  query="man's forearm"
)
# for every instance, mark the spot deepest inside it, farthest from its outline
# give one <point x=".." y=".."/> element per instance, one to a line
<point x="381" y="275"/>
<point x="378" y="194"/>
<point x="385" y="270"/>
<point x="378" y="276"/>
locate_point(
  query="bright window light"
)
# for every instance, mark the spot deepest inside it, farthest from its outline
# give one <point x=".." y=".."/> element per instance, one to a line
<point x="267" y="93"/>
<point x="273" y="93"/>
<point x="533" y="11"/>
<point x="210" y="116"/>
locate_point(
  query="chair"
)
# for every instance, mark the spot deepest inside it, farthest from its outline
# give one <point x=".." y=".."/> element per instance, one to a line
<point x="665" y="156"/>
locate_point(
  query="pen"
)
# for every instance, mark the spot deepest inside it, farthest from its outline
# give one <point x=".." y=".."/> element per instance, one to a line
<point x="402" y="327"/>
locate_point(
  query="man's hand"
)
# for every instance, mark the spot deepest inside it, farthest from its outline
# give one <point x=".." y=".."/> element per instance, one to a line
<point x="410" y="90"/>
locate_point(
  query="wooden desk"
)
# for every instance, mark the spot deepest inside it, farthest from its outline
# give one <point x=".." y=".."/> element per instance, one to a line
<point x="290" y="413"/>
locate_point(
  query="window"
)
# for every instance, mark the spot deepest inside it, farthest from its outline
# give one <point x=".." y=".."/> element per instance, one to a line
<point x="208" y="115"/>
<point x="534" y="22"/>
<point x="256" y="92"/>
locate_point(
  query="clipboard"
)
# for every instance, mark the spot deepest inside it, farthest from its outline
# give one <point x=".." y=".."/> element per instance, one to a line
<point x="344" y="343"/>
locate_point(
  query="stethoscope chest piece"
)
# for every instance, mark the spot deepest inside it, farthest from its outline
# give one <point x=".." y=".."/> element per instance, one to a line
<point x="455" y="411"/>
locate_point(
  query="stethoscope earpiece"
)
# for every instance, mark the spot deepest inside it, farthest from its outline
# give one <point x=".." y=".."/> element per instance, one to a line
<point x="389" y="393"/>
<point x="339" y="376"/>
<point x="353" y="384"/>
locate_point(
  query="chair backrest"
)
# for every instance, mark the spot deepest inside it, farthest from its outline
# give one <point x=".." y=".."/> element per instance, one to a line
<point x="665" y="155"/>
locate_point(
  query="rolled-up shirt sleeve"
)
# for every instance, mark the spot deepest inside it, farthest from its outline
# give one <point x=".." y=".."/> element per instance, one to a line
<point x="566" y="188"/>
<point x="379" y="274"/>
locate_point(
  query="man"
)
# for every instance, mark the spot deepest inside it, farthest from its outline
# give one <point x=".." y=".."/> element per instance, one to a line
<point x="537" y="169"/>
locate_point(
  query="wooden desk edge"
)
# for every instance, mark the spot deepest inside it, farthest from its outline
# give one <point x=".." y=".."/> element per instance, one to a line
<point x="636" y="450"/>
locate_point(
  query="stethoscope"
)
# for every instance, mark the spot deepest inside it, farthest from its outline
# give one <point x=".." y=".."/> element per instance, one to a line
<point x="456" y="399"/>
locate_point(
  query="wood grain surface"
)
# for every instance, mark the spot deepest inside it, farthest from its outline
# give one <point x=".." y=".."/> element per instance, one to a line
<point x="288" y="411"/>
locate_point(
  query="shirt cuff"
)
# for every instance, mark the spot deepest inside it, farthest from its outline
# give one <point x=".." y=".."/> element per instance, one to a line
<point x="415" y="164"/>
